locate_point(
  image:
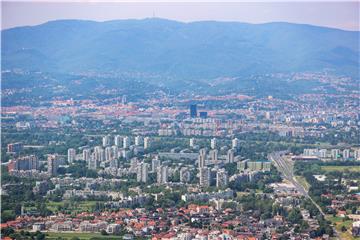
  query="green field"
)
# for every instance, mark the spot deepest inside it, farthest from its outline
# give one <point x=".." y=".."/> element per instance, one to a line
<point x="338" y="223"/>
<point x="82" y="236"/>
<point x="303" y="182"/>
<point x="341" y="168"/>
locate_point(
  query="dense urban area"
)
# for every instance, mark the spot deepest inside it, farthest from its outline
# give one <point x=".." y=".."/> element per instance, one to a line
<point x="185" y="167"/>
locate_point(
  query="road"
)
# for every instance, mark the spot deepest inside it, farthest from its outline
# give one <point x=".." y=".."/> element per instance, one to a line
<point x="286" y="167"/>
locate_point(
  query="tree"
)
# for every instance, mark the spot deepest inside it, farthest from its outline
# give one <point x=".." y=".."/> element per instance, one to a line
<point x="7" y="231"/>
<point x="343" y="229"/>
<point x="40" y="236"/>
<point x="295" y="216"/>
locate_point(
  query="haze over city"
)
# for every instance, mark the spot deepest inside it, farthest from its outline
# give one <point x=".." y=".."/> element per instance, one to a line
<point x="181" y="121"/>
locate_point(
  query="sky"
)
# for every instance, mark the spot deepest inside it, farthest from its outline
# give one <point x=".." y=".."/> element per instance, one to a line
<point x="339" y="14"/>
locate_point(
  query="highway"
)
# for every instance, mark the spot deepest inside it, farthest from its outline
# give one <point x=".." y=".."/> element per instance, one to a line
<point x="286" y="168"/>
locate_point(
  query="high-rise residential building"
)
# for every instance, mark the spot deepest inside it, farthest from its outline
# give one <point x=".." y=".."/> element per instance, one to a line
<point x="126" y="154"/>
<point x="201" y="160"/>
<point x="241" y="166"/>
<point x="106" y="141"/>
<point x="71" y="155"/>
<point x="155" y="163"/>
<point x="254" y="166"/>
<point x="108" y="154"/>
<point x="53" y="164"/>
<point x="118" y="140"/>
<point x="192" y="142"/>
<point x="335" y="153"/>
<point x="99" y="154"/>
<point x="346" y="154"/>
<point x="221" y="178"/>
<point x="323" y="153"/>
<point x="86" y="154"/>
<point x="357" y="154"/>
<point x="214" y="154"/>
<point x="30" y="162"/>
<point x="162" y="174"/>
<point x="266" y="166"/>
<point x="115" y="151"/>
<point x="311" y="152"/>
<point x="268" y="115"/>
<point x="235" y="143"/>
<point x="139" y="140"/>
<point x="146" y="142"/>
<point x="185" y="175"/>
<point x="142" y="172"/>
<point x="203" y="152"/>
<point x="213" y="143"/>
<point x="133" y="164"/>
<point x="230" y="156"/>
<point x="14" y="147"/>
<point x="126" y="142"/>
<point x="124" y="100"/>
<point x="205" y="177"/>
<point x="93" y="161"/>
<point x="193" y="111"/>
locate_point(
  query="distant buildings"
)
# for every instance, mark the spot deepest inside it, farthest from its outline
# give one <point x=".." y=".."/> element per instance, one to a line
<point x="126" y="142"/>
<point x="203" y="115"/>
<point x="93" y="161"/>
<point x="329" y="154"/>
<point x="235" y="143"/>
<point x="213" y="143"/>
<point x="192" y="142"/>
<point x="138" y="141"/>
<point x="193" y="110"/>
<point x="115" y="152"/>
<point x="214" y="154"/>
<point x="71" y="155"/>
<point x="346" y="154"/>
<point x="118" y="140"/>
<point x="221" y="178"/>
<point x="254" y="165"/>
<point x="114" y="163"/>
<point x="14" y="147"/>
<point x="230" y="156"/>
<point x="357" y="154"/>
<point x="162" y="174"/>
<point x="124" y="100"/>
<point x="142" y="172"/>
<point x="86" y="154"/>
<point x="53" y="164"/>
<point x="335" y="153"/>
<point x="202" y="158"/>
<point x="106" y="141"/>
<point x="30" y="162"/>
<point x="155" y="163"/>
<point x="108" y="154"/>
<point x="146" y="142"/>
<point x="185" y="175"/>
<point x="204" y="177"/>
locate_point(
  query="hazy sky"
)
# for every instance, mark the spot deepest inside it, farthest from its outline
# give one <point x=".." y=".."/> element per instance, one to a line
<point x="344" y="15"/>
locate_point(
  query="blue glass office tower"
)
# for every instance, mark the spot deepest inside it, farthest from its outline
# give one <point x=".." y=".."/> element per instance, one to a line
<point x="193" y="111"/>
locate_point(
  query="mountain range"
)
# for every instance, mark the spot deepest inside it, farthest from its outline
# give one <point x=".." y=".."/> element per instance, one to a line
<point x="196" y="50"/>
<point x="145" y="58"/>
